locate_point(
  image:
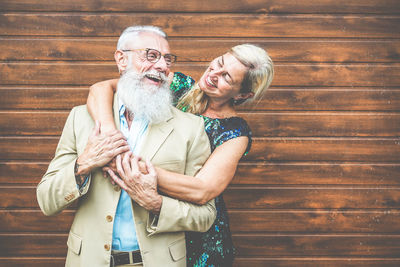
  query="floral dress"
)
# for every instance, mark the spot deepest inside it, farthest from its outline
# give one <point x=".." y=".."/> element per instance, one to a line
<point x="214" y="247"/>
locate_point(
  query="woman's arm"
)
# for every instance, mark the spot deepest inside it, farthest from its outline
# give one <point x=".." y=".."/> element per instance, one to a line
<point x="100" y="101"/>
<point x="211" y="180"/>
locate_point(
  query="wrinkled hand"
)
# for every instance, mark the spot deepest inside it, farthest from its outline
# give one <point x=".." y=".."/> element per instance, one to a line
<point x="100" y="149"/>
<point x="112" y="165"/>
<point x="141" y="187"/>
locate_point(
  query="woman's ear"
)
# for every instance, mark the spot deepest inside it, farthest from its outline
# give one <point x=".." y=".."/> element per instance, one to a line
<point x="244" y="96"/>
<point x="122" y="60"/>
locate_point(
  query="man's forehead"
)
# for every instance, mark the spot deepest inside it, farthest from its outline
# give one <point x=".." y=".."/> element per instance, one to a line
<point x="151" y="40"/>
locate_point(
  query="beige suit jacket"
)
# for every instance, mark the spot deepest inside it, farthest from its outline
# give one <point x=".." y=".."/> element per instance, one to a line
<point x="178" y="144"/>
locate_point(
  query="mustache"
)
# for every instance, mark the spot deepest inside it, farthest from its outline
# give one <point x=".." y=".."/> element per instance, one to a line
<point x="155" y="75"/>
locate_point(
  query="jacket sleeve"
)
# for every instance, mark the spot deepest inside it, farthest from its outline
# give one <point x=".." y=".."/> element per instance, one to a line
<point x="58" y="188"/>
<point x="176" y="215"/>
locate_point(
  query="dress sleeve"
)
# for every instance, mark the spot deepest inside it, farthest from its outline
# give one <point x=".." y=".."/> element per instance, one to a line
<point x="232" y="128"/>
<point x="180" y="84"/>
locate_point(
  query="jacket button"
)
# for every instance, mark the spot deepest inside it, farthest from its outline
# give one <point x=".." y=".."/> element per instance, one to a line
<point x="109" y="218"/>
<point x="107" y="247"/>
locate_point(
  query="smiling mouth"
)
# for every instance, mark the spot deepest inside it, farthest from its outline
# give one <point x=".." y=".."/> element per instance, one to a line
<point x="210" y="82"/>
<point x="154" y="78"/>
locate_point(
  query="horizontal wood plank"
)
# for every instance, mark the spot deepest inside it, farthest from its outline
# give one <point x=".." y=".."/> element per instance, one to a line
<point x="262" y="198"/>
<point x="253" y="246"/>
<point x="263" y="149"/>
<point x="33" y="261"/>
<point x="315" y="221"/>
<point x="33" y="245"/>
<point x="334" y="99"/>
<point x="35" y="221"/>
<point x="254" y="6"/>
<point x="295" y="75"/>
<point x="316" y="261"/>
<point x="317" y="245"/>
<point x="322" y="124"/>
<point x="201" y="25"/>
<point x="321" y="99"/>
<point x="273" y="221"/>
<point x="239" y="262"/>
<point x="262" y="124"/>
<point x="316" y="174"/>
<point x="302" y="149"/>
<point x="30" y="173"/>
<point x="312" y="198"/>
<point x="198" y="49"/>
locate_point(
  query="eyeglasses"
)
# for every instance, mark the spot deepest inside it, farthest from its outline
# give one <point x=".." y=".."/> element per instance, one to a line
<point x="153" y="55"/>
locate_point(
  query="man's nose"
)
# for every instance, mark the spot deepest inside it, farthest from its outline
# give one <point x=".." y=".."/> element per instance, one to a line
<point x="161" y="65"/>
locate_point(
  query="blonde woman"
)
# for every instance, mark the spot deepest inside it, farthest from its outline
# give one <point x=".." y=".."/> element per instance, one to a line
<point x="241" y="74"/>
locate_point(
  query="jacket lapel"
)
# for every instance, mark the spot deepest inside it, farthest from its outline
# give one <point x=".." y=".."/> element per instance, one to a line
<point x="155" y="137"/>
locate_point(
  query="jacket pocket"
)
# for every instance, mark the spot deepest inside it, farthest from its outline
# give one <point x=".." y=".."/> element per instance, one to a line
<point x="74" y="243"/>
<point x="177" y="249"/>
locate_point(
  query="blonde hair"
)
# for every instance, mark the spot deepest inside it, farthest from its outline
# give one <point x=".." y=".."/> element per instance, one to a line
<point x="259" y="75"/>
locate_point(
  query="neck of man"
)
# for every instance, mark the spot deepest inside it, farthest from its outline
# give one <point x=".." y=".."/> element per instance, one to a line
<point x="129" y="117"/>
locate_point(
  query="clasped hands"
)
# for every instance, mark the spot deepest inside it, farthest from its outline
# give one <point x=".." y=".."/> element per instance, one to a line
<point x="110" y="149"/>
<point x="138" y="180"/>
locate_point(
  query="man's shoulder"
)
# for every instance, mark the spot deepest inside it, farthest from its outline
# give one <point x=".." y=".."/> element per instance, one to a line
<point x="80" y="116"/>
<point x="186" y="118"/>
<point x="80" y="110"/>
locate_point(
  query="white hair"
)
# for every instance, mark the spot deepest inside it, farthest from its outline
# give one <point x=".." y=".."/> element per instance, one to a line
<point x="133" y="31"/>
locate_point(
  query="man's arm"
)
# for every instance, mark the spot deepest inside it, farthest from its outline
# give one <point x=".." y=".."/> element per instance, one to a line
<point x="62" y="183"/>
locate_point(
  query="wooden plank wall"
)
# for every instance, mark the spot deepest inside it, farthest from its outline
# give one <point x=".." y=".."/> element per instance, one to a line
<point x="321" y="184"/>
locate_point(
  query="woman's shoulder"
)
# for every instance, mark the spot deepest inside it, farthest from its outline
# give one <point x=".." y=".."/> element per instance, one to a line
<point x="222" y="130"/>
<point x="236" y="124"/>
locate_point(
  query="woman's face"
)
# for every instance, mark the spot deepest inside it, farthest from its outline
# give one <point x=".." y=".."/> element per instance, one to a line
<point x="222" y="80"/>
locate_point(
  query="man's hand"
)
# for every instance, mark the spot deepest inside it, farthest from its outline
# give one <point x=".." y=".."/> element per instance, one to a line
<point x="100" y="149"/>
<point x="141" y="187"/>
<point x="112" y="165"/>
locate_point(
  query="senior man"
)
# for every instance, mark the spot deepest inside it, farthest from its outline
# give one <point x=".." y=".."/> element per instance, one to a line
<point x="137" y="225"/>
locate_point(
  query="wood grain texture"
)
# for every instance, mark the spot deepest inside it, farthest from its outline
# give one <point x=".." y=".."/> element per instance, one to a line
<point x="321" y="184"/>
<point x="387" y="246"/>
<point x="257" y="198"/>
<point x="312" y="261"/>
<point x="254" y="6"/>
<point x="317" y="245"/>
<point x="274" y="99"/>
<point x="310" y="149"/>
<point x="198" y="49"/>
<point x="263" y="149"/>
<point x="315" y="221"/>
<point x="262" y="124"/>
<point x="269" y="221"/>
<point x="33" y="261"/>
<point x="294" y="75"/>
<point x="29" y="173"/>
<point x="201" y="25"/>
<point x="316" y="174"/>
<point x="312" y="198"/>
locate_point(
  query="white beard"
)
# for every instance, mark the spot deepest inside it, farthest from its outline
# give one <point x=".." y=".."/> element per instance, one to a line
<point x="150" y="102"/>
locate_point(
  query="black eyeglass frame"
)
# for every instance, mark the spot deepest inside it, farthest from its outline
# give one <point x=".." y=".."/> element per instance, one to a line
<point x="172" y="58"/>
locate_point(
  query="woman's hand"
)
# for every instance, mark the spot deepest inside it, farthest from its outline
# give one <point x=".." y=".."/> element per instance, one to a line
<point x="140" y="186"/>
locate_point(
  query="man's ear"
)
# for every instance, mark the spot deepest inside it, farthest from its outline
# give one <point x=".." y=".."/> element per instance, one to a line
<point x="122" y="60"/>
<point x="244" y="96"/>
